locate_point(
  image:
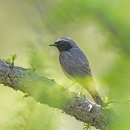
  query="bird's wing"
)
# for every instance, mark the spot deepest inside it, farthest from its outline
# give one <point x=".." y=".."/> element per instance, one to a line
<point x="75" y="66"/>
<point x="77" y="70"/>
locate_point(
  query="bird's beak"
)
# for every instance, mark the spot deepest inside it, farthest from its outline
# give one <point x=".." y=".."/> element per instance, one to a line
<point x="52" y="44"/>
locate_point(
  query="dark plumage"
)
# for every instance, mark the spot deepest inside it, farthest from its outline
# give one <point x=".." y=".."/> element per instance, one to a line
<point x="76" y="66"/>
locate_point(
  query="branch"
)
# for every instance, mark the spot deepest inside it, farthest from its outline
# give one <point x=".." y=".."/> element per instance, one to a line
<point x="46" y="91"/>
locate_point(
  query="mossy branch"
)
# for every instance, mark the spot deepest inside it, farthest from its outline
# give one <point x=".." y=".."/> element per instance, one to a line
<point x="47" y="91"/>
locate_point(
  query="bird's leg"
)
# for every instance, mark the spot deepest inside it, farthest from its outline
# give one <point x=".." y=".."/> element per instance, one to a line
<point x="81" y="91"/>
<point x="71" y="84"/>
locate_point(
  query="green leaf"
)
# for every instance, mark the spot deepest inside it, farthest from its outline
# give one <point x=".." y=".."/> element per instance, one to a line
<point x="86" y="126"/>
<point x="11" y="59"/>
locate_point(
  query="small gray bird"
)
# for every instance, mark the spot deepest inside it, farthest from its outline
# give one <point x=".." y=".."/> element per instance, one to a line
<point x="76" y="66"/>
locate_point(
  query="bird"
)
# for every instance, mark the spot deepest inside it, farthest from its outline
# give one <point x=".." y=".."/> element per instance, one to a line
<point x="76" y="66"/>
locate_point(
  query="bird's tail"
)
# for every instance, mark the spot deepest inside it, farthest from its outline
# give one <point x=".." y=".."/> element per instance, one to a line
<point x="95" y="95"/>
<point x="89" y="86"/>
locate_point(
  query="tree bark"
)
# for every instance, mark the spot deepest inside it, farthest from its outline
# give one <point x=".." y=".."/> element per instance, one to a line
<point x="47" y="91"/>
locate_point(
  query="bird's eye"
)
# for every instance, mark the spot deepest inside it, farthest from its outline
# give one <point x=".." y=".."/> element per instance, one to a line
<point x="62" y="43"/>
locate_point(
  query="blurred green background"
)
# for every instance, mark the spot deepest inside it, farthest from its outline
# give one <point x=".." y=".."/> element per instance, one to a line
<point x="102" y="30"/>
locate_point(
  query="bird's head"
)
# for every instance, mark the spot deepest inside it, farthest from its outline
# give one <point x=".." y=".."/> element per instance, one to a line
<point x="64" y="44"/>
